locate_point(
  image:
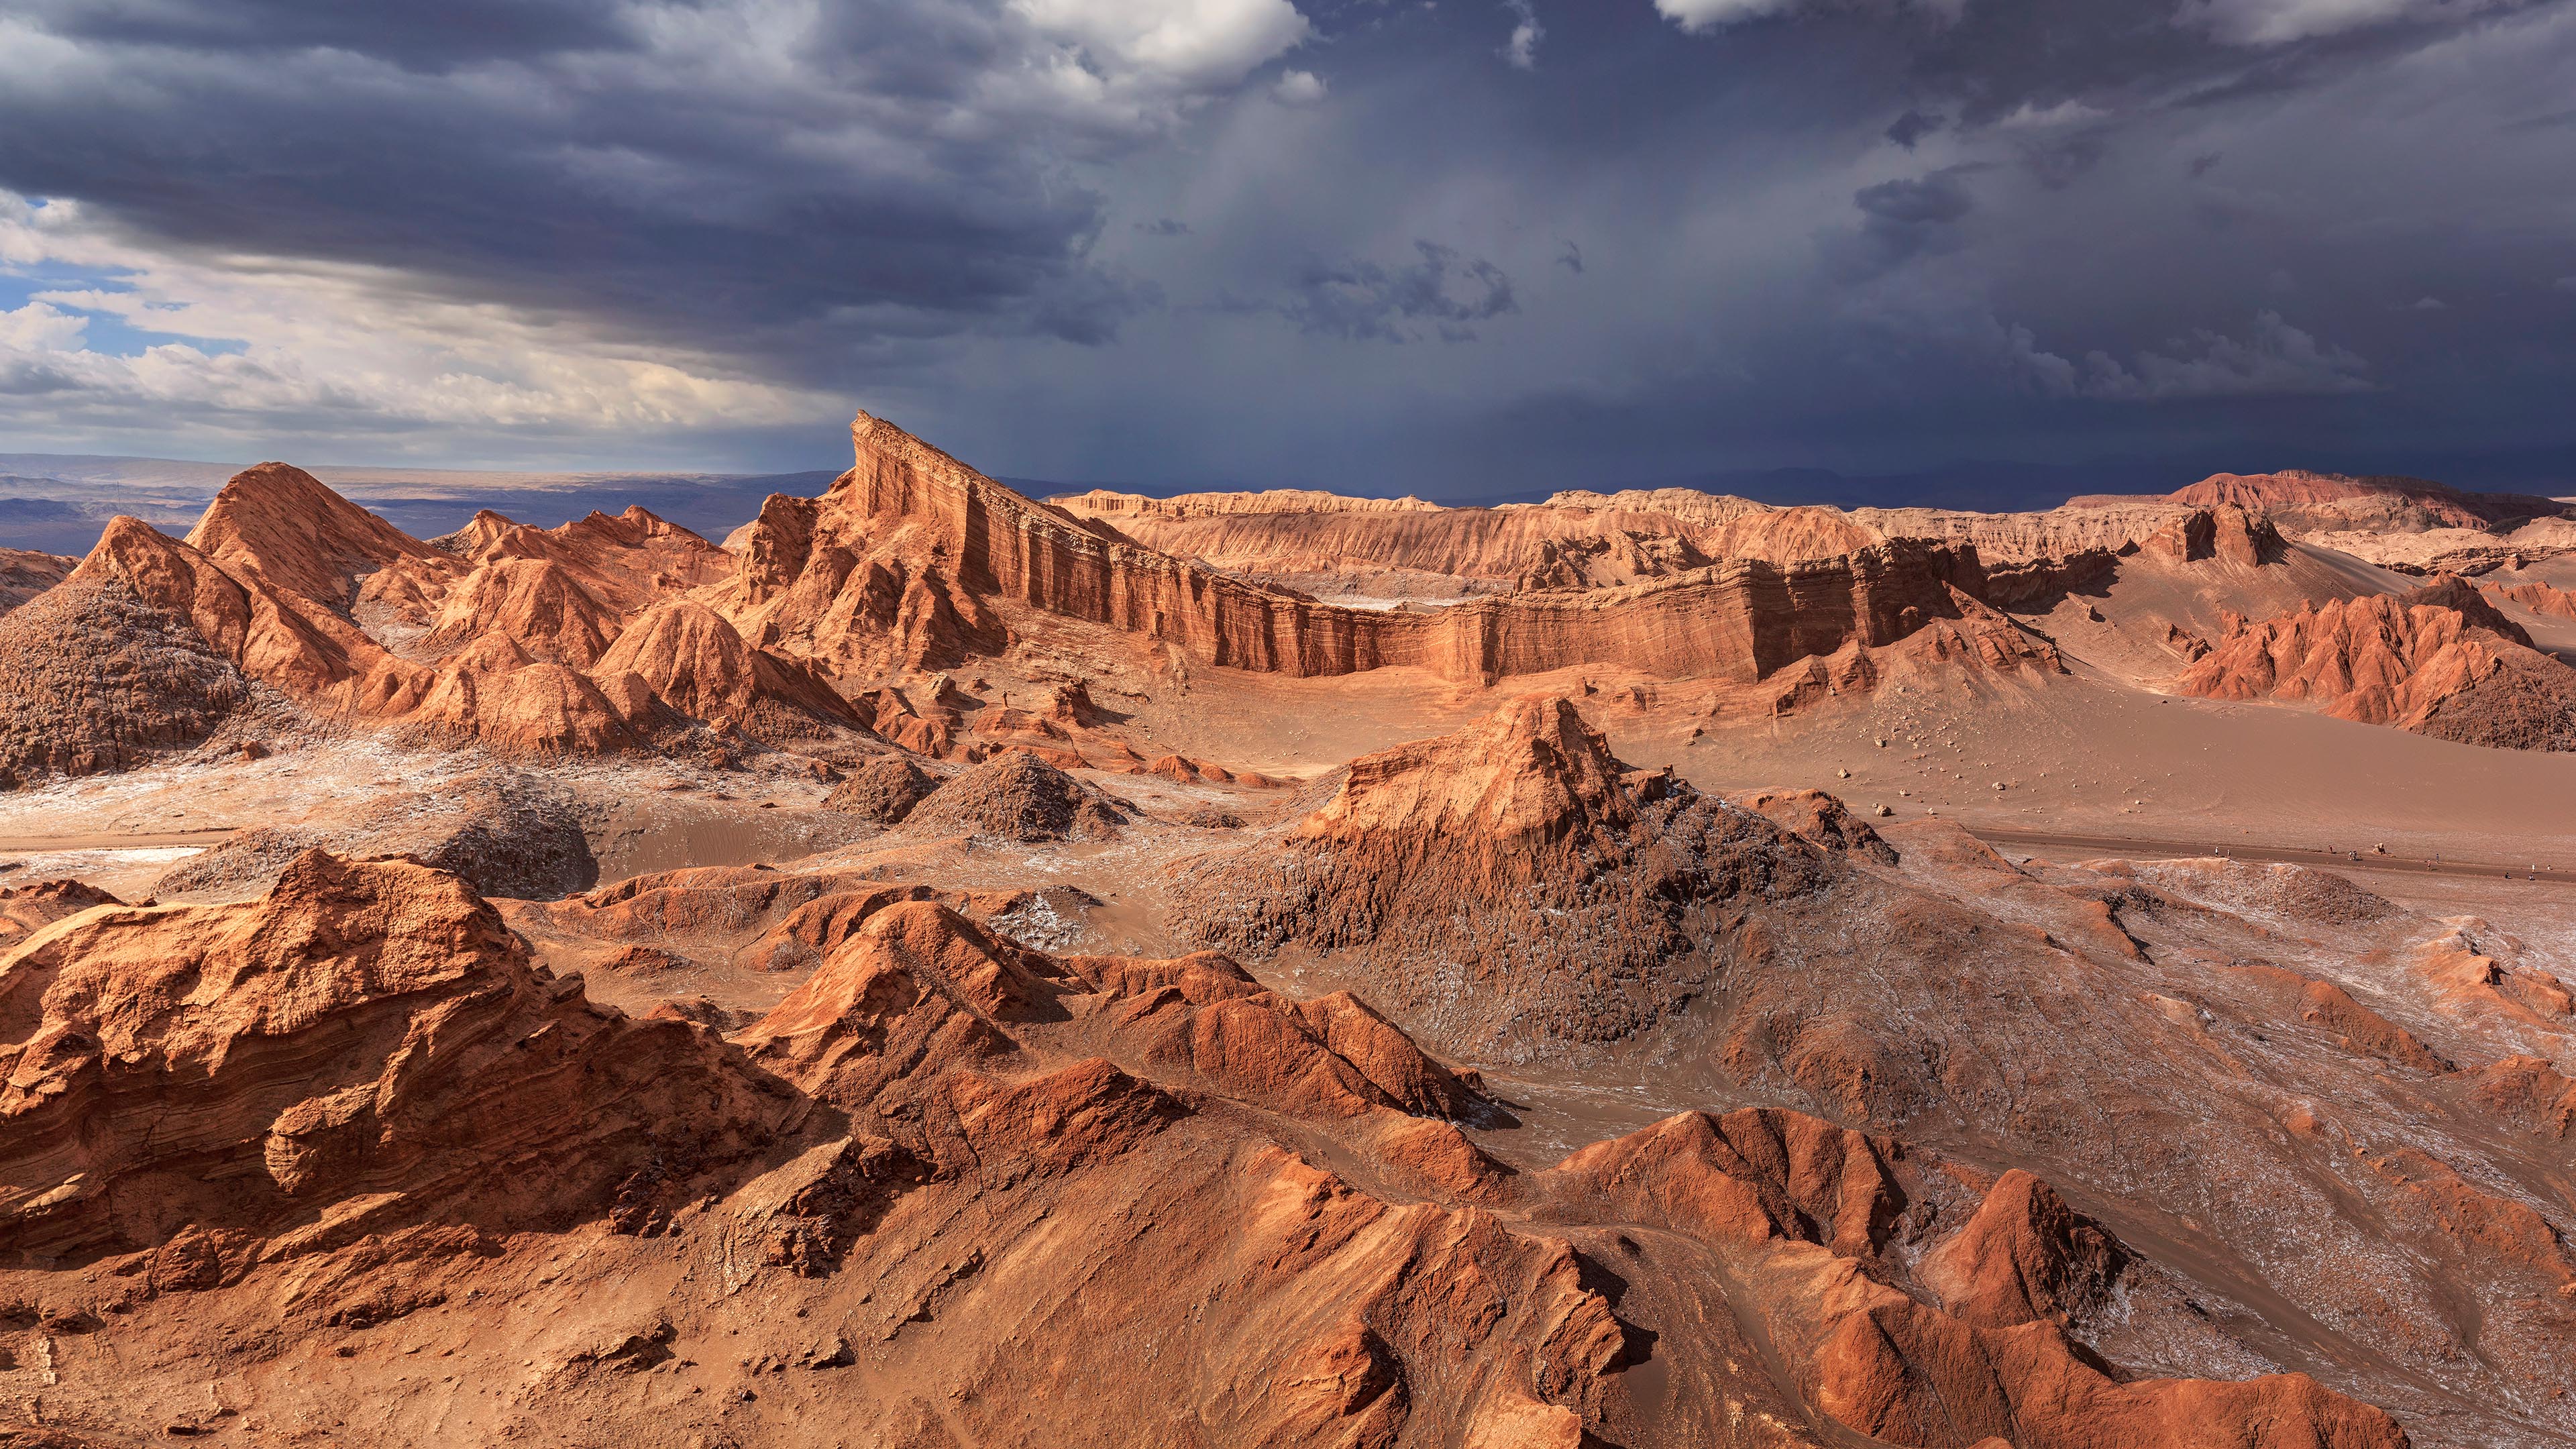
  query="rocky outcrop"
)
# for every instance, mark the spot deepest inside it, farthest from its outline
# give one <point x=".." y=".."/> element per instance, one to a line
<point x="362" y="1050"/>
<point x="502" y="834"/>
<point x="1511" y="887"/>
<point x="1115" y="506"/>
<point x="98" y="680"/>
<point x="1811" y="1212"/>
<point x="27" y="909"/>
<point x="2539" y="598"/>
<point x="2226" y="532"/>
<point x="545" y="641"/>
<point x="278" y="525"/>
<point x="1821" y="819"/>
<point x="535" y="603"/>
<point x="2440" y="661"/>
<point x="24" y="574"/>
<point x="691" y="658"/>
<point x="626" y="561"/>
<point x="1018" y="797"/>
<point x="357" y="1113"/>
<point x="2309" y="501"/>
<point x="883" y="790"/>
<point x="1585" y="540"/>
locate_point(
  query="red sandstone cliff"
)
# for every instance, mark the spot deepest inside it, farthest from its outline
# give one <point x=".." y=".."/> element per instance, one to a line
<point x="903" y="561"/>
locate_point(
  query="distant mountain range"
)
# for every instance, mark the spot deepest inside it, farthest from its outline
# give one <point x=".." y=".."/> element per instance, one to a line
<point x="59" y="502"/>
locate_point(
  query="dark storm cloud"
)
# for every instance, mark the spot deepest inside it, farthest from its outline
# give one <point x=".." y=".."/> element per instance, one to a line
<point x="595" y="160"/>
<point x="422" y="36"/>
<point x="1364" y="301"/>
<point x="1910" y="128"/>
<point x="1863" y="233"/>
<point x="1900" y="220"/>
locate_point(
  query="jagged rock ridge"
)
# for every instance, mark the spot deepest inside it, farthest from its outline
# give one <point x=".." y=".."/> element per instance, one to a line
<point x="2440" y="661"/>
<point x="979" y="1171"/>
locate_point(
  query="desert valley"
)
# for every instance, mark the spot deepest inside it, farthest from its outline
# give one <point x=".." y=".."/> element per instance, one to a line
<point x="939" y="966"/>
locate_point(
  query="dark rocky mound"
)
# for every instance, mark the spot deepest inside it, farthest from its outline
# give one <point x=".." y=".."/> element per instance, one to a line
<point x="95" y="681"/>
<point x="1017" y="796"/>
<point x="504" y="836"/>
<point x="2528" y="703"/>
<point x="883" y="790"/>
<point x="1511" y="887"/>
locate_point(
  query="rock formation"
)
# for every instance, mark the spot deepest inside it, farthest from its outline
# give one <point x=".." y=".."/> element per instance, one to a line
<point x="2309" y="501"/>
<point x="361" y="1052"/>
<point x="882" y="790"/>
<point x="1511" y="887"/>
<point x="1016" y="796"/>
<point x="24" y="574"/>
<point x="545" y="641"/>
<point x="2539" y="598"/>
<point x="2440" y="661"/>
<point x="981" y="1172"/>
<point x="503" y="834"/>
<point x="896" y="564"/>
<point x="98" y="680"/>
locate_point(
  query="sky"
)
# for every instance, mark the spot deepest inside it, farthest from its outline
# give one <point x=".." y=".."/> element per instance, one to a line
<point x="1456" y="249"/>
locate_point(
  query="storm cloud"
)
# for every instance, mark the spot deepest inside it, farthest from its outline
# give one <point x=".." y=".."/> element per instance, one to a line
<point x="1171" y="241"/>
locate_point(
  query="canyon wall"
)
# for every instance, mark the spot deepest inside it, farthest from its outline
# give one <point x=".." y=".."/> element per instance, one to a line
<point x="1740" y="619"/>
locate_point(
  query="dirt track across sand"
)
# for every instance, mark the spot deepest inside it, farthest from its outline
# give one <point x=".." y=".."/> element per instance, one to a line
<point x="110" y="840"/>
<point x="2128" y="849"/>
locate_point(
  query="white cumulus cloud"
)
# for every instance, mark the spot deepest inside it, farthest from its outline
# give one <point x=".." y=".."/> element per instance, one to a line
<point x="252" y="345"/>
<point x="1175" y="44"/>
<point x="1697" y="15"/>
<point x="1299" y="88"/>
<point x="1522" y="48"/>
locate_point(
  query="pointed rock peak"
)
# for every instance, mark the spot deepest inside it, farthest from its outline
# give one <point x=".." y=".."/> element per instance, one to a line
<point x="1532" y="771"/>
<point x="127" y="545"/>
<point x="894" y="472"/>
<point x="690" y="655"/>
<point x="2023" y="1257"/>
<point x="902" y="957"/>
<point x="628" y="529"/>
<point x="486" y="529"/>
<point x="283" y="524"/>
